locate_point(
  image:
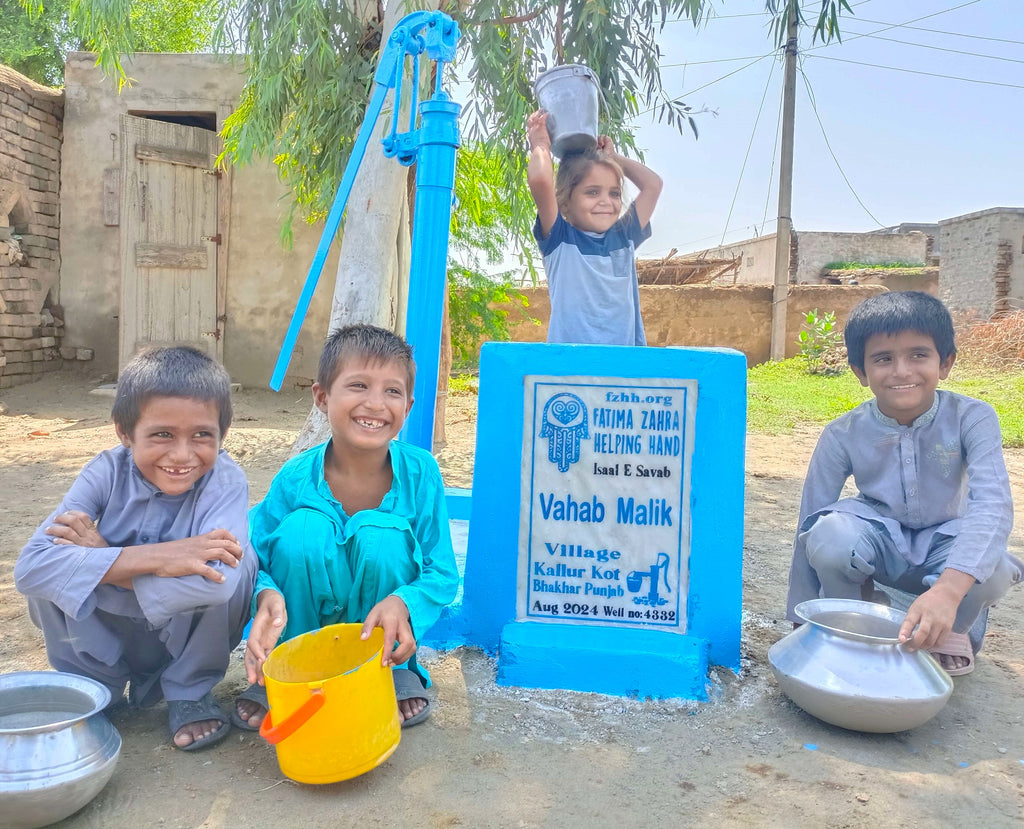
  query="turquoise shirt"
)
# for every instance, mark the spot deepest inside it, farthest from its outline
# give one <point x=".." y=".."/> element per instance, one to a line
<point x="414" y="507"/>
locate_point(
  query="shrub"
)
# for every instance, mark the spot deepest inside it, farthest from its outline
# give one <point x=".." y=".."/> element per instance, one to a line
<point x="821" y="343"/>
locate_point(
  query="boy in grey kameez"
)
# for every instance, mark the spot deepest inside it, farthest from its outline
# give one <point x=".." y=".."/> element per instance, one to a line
<point x="933" y="510"/>
<point x="143" y="575"/>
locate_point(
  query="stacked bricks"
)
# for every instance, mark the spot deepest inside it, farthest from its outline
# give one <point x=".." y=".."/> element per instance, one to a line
<point x="31" y="118"/>
<point x="1004" y="261"/>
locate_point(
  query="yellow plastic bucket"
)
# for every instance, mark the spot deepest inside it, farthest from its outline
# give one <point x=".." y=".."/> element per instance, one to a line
<point x="333" y="713"/>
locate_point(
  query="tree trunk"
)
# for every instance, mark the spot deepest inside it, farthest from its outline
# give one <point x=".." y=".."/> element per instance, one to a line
<point x="373" y="267"/>
<point x="444" y="369"/>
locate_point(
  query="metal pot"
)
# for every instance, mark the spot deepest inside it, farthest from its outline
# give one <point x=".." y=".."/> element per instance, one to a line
<point x="57" y="748"/>
<point x="569" y="93"/>
<point x="847" y="667"/>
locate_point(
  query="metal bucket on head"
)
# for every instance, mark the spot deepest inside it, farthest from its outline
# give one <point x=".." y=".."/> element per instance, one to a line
<point x="333" y="713"/>
<point x="570" y="94"/>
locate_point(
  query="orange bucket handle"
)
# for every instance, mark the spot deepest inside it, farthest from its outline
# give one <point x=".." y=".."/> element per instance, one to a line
<point x="274" y="734"/>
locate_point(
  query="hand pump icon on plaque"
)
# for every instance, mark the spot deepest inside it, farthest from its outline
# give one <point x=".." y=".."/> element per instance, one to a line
<point x="635" y="580"/>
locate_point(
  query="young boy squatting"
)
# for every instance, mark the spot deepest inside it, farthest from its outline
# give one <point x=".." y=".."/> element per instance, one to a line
<point x="355" y="529"/>
<point x="933" y="510"/>
<point x="143" y="575"/>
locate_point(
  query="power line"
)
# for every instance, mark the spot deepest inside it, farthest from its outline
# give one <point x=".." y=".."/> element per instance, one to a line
<point x="916" y="72"/>
<point x="762" y="14"/>
<point x="750" y="144"/>
<point x="896" y="25"/>
<point x="729" y="75"/>
<point x="712" y="236"/>
<point x="719" y="60"/>
<point x="710" y="83"/>
<point x="944" y="49"/>
<point x="814" y="109"/>
<point x="771" y="170"/>
<point x="939" y="31"/>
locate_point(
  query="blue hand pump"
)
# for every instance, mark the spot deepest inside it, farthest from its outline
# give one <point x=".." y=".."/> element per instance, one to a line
<point x="432" y="147"/>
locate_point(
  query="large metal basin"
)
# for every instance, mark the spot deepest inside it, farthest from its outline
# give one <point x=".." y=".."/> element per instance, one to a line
<point x="57" y="748"/>
<point x="847" y="667"/>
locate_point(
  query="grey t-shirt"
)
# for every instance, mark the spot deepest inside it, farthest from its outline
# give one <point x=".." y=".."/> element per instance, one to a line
<point x="592" y="282"/>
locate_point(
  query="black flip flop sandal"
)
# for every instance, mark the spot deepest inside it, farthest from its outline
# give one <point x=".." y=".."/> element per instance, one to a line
<point x="181" y="712"/>
<point x="254" y="693"/>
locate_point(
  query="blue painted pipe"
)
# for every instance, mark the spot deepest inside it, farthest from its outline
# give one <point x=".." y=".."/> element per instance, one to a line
<point x="435" y="184"/>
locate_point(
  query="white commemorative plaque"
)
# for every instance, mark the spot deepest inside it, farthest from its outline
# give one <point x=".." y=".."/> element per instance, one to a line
<point x="605" y="534"/>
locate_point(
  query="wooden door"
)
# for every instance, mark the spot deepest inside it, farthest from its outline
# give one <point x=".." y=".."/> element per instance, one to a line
<point x="169" y="237"/>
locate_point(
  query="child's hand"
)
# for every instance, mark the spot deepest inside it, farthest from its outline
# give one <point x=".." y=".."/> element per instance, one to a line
<point x="75" y="527"/>
<point x="392" y="615"/>
<point x="604" y="143"/>
<point x="267" y="625"/>
<point x="932" y="614"/>
<point x="189" y="556"/>
<point x="537" y="131"/>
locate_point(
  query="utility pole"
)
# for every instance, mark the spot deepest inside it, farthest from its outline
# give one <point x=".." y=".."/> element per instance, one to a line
<point x="784" y="226"/>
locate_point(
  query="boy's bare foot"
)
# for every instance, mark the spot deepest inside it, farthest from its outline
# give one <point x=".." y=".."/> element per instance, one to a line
<point x="954" y="654"/>
<point x="194" y="731"/>
<point x="951" y="663"/>
<point x="250" y="712"/>
<point x="195" y="724"/>
<point x="250" y="708"/>
<point x="413" y="703"/>
<point x="409" y="708"/>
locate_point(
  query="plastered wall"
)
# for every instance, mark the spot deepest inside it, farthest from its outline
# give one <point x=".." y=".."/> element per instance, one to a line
<point x="708" y="315"/>
<point x="263" y="279"/>
<point x="812" y="250"/>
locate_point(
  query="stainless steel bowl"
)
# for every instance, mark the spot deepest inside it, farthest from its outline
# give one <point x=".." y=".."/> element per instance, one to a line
<point x="847" y="667"/>
<point x="57" y="748"/>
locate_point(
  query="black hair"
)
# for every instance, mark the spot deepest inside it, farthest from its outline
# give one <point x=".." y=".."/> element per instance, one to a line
<point x="896" y="311"/>
<point x="368" y="342"/>
<point x="171" y="371"/>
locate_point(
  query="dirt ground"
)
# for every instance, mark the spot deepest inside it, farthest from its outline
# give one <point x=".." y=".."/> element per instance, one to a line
<point x="511" y="757"/>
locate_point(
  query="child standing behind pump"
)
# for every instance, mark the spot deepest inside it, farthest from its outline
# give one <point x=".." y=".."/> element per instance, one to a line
<point x="587" y="244"/>
<point x="933" y="510"/>
<point x="143" y="575"/>
<point x="355" y="529"/>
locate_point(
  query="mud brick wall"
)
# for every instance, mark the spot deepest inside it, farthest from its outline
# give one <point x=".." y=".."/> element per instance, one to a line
<point x="31" y="118"/>
<point x="737" y="316"/>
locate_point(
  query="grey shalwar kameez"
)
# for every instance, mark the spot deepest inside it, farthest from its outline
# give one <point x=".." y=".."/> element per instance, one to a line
<point x="180" y="630"/>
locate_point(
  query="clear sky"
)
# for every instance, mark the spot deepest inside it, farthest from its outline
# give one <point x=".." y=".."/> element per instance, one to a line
<point x="915" y="147"/>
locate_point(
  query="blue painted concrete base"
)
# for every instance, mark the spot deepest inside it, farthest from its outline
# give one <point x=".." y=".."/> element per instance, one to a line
<point x="619" y="661"/>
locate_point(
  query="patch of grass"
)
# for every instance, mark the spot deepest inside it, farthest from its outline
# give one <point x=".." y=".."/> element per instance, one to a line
<point x="1003" y="390"/>
<point x="782" y="395"/>
<point x="874" y="266"/>
<point x="464" y="383"/>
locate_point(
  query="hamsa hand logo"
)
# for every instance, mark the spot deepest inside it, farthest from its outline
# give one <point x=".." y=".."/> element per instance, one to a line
<point x="564" y="424"/>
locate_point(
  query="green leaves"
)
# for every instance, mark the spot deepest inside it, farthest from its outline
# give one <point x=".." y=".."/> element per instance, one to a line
<point x="483" y="225"/>
<point x="826" y="27"/>
<point x="309" y="68"/>
<point x="34" y="40"/>
<point x="821" y="343"/>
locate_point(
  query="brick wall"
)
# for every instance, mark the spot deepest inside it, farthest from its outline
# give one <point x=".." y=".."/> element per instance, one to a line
<point x="30" y="136"/>
<point x="966" y="272"/>
<point x="982" y="267"/>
